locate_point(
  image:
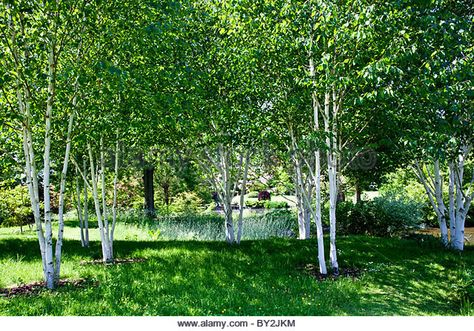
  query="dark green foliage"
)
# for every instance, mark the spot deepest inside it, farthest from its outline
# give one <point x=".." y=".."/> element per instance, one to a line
<point x="470" y="218"/>
<point x="380" y="217"/>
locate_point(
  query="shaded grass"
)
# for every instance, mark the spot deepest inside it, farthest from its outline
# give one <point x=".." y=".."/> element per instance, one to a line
<point x="402" y="277"/>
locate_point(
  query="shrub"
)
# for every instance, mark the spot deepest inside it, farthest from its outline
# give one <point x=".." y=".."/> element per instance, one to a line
<point x="264" y="195"/>
<point x="15" y="207"/>
<point x="275" y="204"/>
<point x="186" y="203"/>
<point x="380" y="217"/>
<point x="252" y="195"/>
<point x="254" y="203"/>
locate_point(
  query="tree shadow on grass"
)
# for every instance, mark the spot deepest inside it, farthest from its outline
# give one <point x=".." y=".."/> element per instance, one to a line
<point x="402" y="277"/>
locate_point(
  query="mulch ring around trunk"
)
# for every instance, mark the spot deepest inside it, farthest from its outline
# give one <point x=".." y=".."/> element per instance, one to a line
<point x="116" y="261"/>
<point x="36" y="287"/>
<point x="313" y="270"/>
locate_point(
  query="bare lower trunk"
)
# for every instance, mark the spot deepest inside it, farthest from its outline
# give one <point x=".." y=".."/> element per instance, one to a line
<point x="114" y="204"/>
<point x="331" y="141"/>
<point x="242" y="196"/>
<point x="307" y="221"/>
<point x="149" y="190"/>
<point x="79" y="209"/>
<point x="47" y="173"/>
<point x="441" y="207"/>
<point x="317" y="217"/>
<point x="317" y="183"/>
<point x="86" y="207"/>
<point x="452" y="210"/>
<point x="459" y="200"/>
<point x="227" y="196"/>
<point x="299" y="207"/>
<point x="103" y="191"/>
<point x="106" y="253"/>
<point x="62" y="187"/>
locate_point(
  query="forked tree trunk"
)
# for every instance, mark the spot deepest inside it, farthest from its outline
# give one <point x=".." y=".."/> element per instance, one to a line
<point x="459" y="200"/>
<point x="106" y="253"/>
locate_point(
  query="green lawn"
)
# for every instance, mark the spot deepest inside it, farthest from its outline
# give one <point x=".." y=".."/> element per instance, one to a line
<point x="402" y="277"/>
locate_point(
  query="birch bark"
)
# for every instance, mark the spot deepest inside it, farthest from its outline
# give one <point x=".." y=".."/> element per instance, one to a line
<point x="242" y="196"/>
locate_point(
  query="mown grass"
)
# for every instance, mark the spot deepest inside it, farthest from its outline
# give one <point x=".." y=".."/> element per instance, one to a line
<point x="261" y="277"/>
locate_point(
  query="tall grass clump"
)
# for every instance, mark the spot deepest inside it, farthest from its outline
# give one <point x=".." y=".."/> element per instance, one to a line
<point x="210" y="226"/>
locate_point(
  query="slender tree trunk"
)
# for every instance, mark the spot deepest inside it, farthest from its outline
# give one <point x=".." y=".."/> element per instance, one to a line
<point x="86" y="207"/>
<point x="307" y="221"/>
<point x="227" y="196"/>
<point x="166" y="192"/>
<point x="458" y="242"/>
<point x="452" y="209"/>
<point x="114" y="205"/>
<point x="47" y="172"/>
<point x="299" y="208"/>
<point x="358" y="193"/>
<point x="242" y="196"/>
<point x="32" y="183"/>
<point x="149" y="190"/>
<point x="103" y="190"/>
<point x="299" y="200"/>
<point x="331" y="139"/>
<point x="107" y="257"/>
<point x="441" y="207"/>
<point x="317" y="184"/>
<point x="80" y="216"/>
<point x="62" y="187"/>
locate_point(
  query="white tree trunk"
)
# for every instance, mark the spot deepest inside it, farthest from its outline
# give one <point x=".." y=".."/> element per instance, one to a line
<point x="317" y="183"/>
<point x="106" y="253"/>
<point x="227" y="196"/>
<point x="86" y="207"/>
<point x="62" y="186"/>
<point x="452" y="210"/>
<point x="114" y="204"/>
<point x="307" y="220"/>
<point x="103" y="190"/>
<point x="47" y="172"/>
<point x="438" y="182"/>
<point x="331" y="142"/>
<point x="242" y="196"/>
<point x="79" y="210"/>
<point x="459" y="201"/>
<point x="299" y="198"/>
